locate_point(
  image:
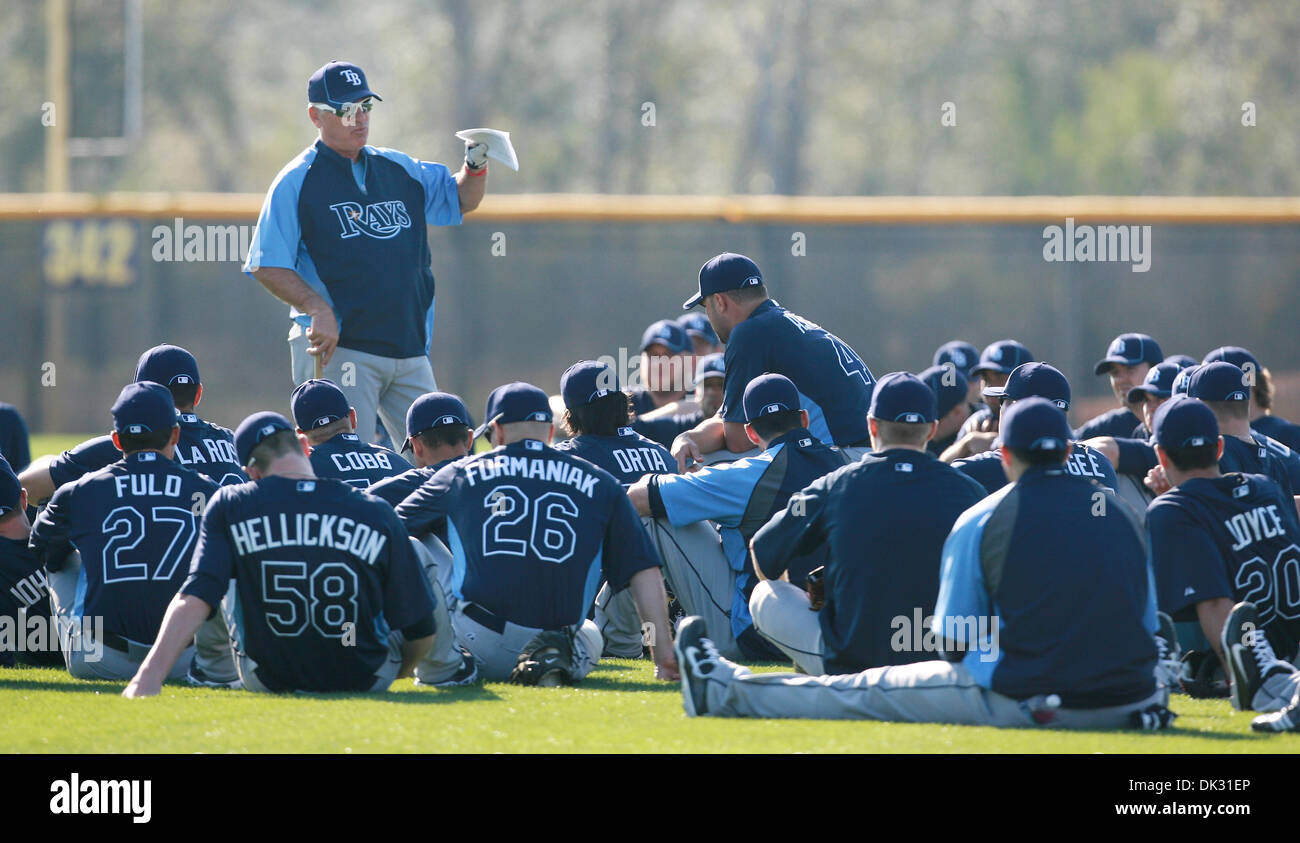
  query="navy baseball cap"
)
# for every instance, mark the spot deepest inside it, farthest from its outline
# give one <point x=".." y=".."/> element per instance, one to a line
<point x="711" y="366"/>
<point x="1034" y="379"/>
<point x="1158" y="382"/>
<point x="1002" y="356"/>
<point x="696" y="324"/>
<point x="169" y="365"/>
<point x="338" y="82"/>
<point x="1183" y="360"/>
<point x="1183" y="379"/>
<point x="1218" y="382"/>
<point x="434" y="409"/>
<point x="1234" y="354"/>
<point x="727" y="271"/>
<point x="586" y="381"/>
<point x="145" y="407"/>
<point x="317" y="403"/>
<point x="769" y="393"/>
<point x="10" y="489"/>
<point x="946" y="395"/>
<point x="1129" y="349"/>
<point x="1185" y="423"/>
<point x="961" y="354"/>
<point x="254" y="429"/>
<point x="902" y="397"/>
<point x="1034" y="424"/>
<point x="668" y="333"/>
<point x="515" y="402"/>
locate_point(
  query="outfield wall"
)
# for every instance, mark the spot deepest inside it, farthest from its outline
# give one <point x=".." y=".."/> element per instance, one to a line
<point x="531" y="283"/>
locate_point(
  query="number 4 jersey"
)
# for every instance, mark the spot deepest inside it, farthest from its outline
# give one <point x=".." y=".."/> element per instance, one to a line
<point x="530" y="530"/>
<point x="134" y="523"/>
<point x="323" y="573"/>
<point x="1234" y="536"/>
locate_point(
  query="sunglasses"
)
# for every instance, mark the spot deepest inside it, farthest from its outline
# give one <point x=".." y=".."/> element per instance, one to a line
<point x="347" y="111"/>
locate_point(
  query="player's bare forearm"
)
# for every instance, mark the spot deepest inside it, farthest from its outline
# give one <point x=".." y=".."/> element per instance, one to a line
<point x="288" y="286"/>
<point x="639" y="494"/>
<point x="1213" y="614"/>
<point x="652" y="605"/>
<point x="705" y="438"/>
<point x="470" y="188"/>
<point x="412" y="653"/>
<point x="1105" y="444"/>
<point x="682" y="407"/>
<point x="185" y="614"/>
<point x="37" y="481"/>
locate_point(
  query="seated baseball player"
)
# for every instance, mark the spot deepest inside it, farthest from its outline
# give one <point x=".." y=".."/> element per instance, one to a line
<point x="666" y="354"/>
<point x="833" y="383"/>
<point x="438" y="431"/>
<point x="324" y="419"/>
<point x="23" y="587"/>
<point x="204" y="447"/>
<point x="1043" y="381"/>
<point x="1126" y="362"/>
<point x="1221" y="546"/>
<point x="996" y="362"/>
<point x="133" y="525"/>
<point x="741" y="496"/>
<point x="532" y="531"/>
<point x="315" y="580"/>
<point x="596" y="416"/>
<point x="883" y="519"/>
<point x="1027" y="638"/>
<point x="664" y="425"/>
<point x="952" y="404"/>
<point x="964" y="357"/>
<point x="702" y="335"/>
<point x="1262" y="419"/>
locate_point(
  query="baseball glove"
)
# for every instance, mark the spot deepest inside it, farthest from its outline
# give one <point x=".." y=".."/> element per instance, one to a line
<point x="547" y="660"/>
<point x="1203" y="676"/>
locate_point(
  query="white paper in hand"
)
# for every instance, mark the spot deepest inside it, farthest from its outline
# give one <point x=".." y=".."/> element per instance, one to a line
<point x="498" y="144"/>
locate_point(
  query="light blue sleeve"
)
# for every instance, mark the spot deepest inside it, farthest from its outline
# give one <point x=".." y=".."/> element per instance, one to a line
<point x="962" y="591"/>
<point x="278" y="235"/>
<point x="717" y="493"/>
<point x="441" y="199"/>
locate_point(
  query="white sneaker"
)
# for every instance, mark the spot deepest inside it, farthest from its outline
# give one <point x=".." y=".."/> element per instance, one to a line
<point x="700" y="664"/>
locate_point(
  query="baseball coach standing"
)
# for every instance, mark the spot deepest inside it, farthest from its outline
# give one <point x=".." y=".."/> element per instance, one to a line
<point x="342" y="238"/>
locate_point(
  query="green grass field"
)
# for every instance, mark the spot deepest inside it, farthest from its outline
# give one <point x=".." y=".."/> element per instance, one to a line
<point x="619" y="708"/>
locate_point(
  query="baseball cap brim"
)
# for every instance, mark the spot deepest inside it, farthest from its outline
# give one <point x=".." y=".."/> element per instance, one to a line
<point x="993" y="391"/>
<point x="692" y="301"/>
<point x="483" y="428"/>
<point x="1139" y="393"/>
<point x="1104" y="365"/>
<point x="989" y="367"/>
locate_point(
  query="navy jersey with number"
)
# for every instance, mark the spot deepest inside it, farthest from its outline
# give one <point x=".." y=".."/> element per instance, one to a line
<point x="203" y="446"/>
<point x="986" y="468"/>
<point x="134" y="523"/>
<point x="1259" y="456"/>
<point x="22" y="586"/>
<point x="1234" y="536"/>
<point x="14" y="445"/>
<point x="531" y="529"/>
<point x="1117" y="422"/>
<point x="741" y="497"/>
<point x="323" y="573"/>
<point x="345" y="457"/>
<point x="884" y="520"/>
<point x="628" y="456"/>
<point x="834" y="384"/>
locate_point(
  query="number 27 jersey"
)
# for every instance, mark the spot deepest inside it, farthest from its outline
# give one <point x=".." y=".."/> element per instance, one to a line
<point x="530" y="530"/>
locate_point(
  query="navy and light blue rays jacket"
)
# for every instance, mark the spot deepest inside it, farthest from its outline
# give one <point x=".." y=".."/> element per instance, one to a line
<point x="356" y="234"/>
<point x="1066" y="581"/>
<point x="741" y="497"/>
<point x="834" y="384"/>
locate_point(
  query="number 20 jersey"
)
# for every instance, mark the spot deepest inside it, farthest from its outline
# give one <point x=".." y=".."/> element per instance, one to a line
<point x="1234" y="536"/>
<point x="530" y="530"/>
<point x="323" y="573"/>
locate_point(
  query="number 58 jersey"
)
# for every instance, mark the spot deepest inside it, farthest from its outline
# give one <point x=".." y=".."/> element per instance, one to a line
<point x="323" y="573"/>
<point x="531" y="529"/>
